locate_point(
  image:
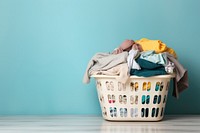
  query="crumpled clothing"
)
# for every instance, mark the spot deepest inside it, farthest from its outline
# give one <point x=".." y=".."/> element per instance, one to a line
<point x="103" y="62"/>
<point x="121" y="71"/>
<point x="151" y="56"/>
<point x="181" y="78"/>
<point x="157" y="45"/>
<point x="169" y="68"/>
<point x="132" y="64"/>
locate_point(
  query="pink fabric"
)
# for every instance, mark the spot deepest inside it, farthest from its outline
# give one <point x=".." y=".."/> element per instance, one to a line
<point x="127" y="45"/>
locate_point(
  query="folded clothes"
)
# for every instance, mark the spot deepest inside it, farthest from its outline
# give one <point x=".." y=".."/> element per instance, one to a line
<point x="144" y="64"/>
<point x="148" y="69"/>
<point x="148" y="73"/>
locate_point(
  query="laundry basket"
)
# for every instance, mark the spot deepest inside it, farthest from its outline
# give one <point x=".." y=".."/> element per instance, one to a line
<point x="140" y="99"/>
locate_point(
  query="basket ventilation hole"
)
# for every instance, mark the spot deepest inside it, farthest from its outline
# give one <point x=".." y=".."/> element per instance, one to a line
<point x="113" y="111"/>
<point x="122" y="99"/>
<point x="144" y="112"/>
<point x="123" y="112"/>
<point x="154" y="112"/>
<point x="121" y="87"/>
<point x="134" y="99"/>
<point x="134" y="112"/>
<point x="145" y="99"/>
<point x="111" y="98"/>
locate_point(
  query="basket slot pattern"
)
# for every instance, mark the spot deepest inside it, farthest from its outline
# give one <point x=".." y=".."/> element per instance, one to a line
<point x="135" y="100"/>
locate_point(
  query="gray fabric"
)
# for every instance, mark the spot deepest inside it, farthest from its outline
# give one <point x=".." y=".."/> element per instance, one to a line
<point x="103" y="62"/>
<point x="181" y="78"/>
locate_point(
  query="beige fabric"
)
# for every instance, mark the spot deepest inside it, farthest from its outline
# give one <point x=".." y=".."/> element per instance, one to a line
<point x="103" y="62"/>
<point x="121" y="71"/>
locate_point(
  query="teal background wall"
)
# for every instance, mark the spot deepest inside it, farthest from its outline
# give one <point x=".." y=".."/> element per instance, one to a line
<point x="45" y="46"/>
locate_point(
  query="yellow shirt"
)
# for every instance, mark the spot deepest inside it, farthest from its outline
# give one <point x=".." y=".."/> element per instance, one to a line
<point x="157" y="45"/>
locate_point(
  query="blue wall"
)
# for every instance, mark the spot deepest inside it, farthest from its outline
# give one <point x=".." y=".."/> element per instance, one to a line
<point x="45" y="46"/>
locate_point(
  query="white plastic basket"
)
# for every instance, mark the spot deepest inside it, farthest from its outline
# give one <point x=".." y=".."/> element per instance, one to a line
<point x="140" y="99"/>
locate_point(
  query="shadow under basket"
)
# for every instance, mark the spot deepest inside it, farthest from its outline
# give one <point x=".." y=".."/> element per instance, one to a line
<point x="140" y="99"/>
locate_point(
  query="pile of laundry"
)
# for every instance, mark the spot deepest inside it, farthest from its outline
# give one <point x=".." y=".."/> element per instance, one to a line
<point x="144" y="58"/>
